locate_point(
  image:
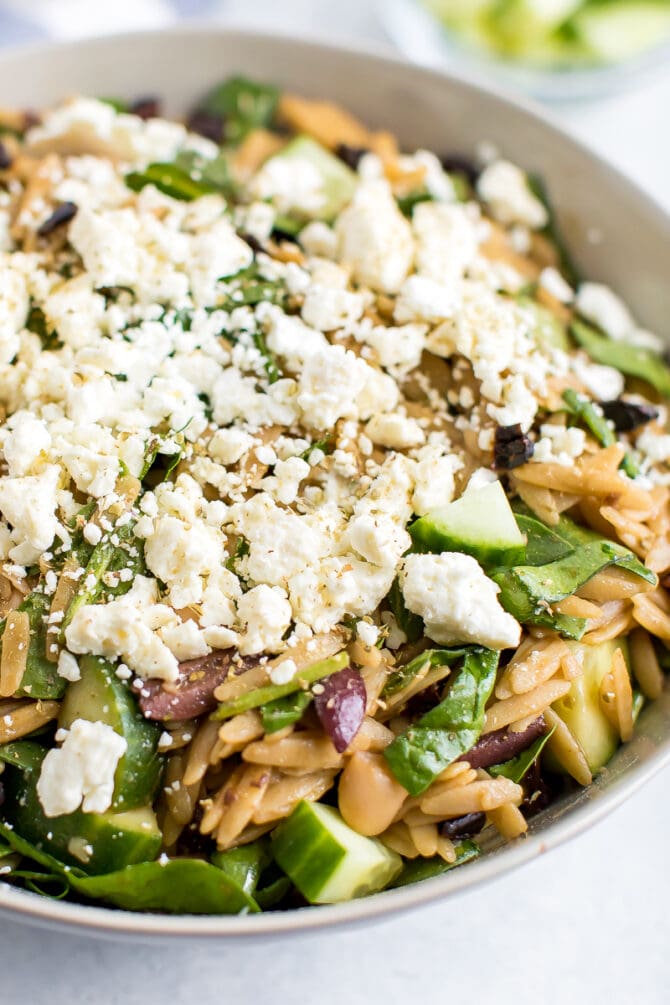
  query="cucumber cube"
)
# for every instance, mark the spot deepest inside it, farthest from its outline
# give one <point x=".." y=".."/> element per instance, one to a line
<point x="481" y="523"/>
<point x="327" y="860"/>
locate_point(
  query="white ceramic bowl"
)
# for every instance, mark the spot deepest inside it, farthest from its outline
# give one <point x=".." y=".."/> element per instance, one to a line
<point x="617" y="233"/>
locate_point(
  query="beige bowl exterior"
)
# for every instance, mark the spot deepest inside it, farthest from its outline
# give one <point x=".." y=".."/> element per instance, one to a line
<point x="617" y="233"/>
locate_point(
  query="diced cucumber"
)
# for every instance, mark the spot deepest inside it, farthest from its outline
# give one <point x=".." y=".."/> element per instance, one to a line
<point x="481" y="523"/>
<point x="99" y="696"/>
<point x="93" y="842"/>
<point x="338" y="181"/>
<point x="327" y="860"/>
<point x="581" y="708"/>
<point x="621" y="30"/>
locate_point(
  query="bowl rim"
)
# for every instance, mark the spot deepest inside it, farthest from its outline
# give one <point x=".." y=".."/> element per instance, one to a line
<point x="111" y="922"/>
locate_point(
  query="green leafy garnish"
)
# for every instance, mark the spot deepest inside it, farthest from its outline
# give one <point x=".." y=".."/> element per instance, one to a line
<point x="188" y="177"/>
<point x="587" y="414"/>
<point x="552" y="230"/>
<point x="443" y="734"/>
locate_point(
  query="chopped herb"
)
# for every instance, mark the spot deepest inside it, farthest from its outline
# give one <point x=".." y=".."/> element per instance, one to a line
<point x="518" y="766"/>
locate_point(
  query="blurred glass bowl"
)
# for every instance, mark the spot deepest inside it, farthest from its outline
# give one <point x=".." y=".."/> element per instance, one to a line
<point x="424" y="39"/>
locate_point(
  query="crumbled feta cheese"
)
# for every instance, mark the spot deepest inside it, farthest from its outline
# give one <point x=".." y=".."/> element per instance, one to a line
<point x="67" y="666"/>
<point x="601" y="305"/>
<point x="29" y="505"/>
<point x="446" y="241"/>
<point x="367" y="633"/>
<point x="553" y="282"/>
<point x="327" y="308"/>
<point x="457" y="601"/>
<point x="292" y="183"/>
<point x="127" y="628"/>
<point x="319" y="239"/>
<point x="81" y="771"/>
<point x="184" y="640"/>
<point x="396" y="431"/>
<point x="559" y="444"/>
<point x="603" y="382"/>
<point x="424" y="299"/>
<point x="266" y="615"/>
<point x="283" y="672"/>
<point x="374" y="238"/>
<point x="25" y="439"/>
<point x="504" y="187"/>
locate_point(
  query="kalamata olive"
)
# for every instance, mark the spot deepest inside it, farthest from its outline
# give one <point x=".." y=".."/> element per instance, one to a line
<point x="511" y="448"/>
<point x="463" y="827"/>
<point x="628" y="415"/>
<point x="60" y="216"/>
<point x="457" y="164"/>
<point x="146" y="108"/>
<point x="5" y="157"/>
<point x="502" y="745"/>
<point x="340" y="702"/>
<point x="207" y="124"/>
<point x="351" y="156"/>
<point x="193" y="693"/>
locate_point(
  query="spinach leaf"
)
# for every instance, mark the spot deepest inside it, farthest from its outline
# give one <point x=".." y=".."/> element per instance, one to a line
<point x="544" y="544"/>
<point x="271" y="692"/>
<point x="117" y="550"/>
<point x="399" y="678"/>
<point x="406" y="203"/>
<point x="244" y="865"/>
<point x="588" y="415"/>
<point x="409" y="623"/>
<point x="178" y="886"/>
<point x="525" y="591"/>
<point x="186" y="178"/>
<point x="24" y="755"/>
<point x="286" y="711"/>
<point x="629" y="359"/>
<point x="243" y="105"/>
<point x="40" y="678"/>
<point x="427" y="868"/>
<point x="518" y="766"/>
<point x="443" y="734"/>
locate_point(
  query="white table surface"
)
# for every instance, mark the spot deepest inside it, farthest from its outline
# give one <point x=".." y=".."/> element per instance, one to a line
<point x="587" y="924"/>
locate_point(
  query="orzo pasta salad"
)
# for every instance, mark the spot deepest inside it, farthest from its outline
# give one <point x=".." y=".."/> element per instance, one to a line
<point x="334" y="506"/>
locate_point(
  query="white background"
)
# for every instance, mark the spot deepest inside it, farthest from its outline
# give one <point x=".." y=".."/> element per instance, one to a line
<point x="587" y="924"/>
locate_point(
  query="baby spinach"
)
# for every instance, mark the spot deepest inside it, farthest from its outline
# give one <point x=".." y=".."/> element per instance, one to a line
<point x="526" y="590"/>
<point x="631" y="360"/>
<point x="40" y="678"/>
<point x="402" y="676"/>
<point x="517" y="767"/>
<point x="286" y="711"/>
<point x="243" y="105"/>
<point x="443" y="734"/>
<point x="552" y="230"/>
<point x="589" y="415"/>
<point x="427" y="868"/>
<point x="409" y="623"/>
<point x="188" y="177"/>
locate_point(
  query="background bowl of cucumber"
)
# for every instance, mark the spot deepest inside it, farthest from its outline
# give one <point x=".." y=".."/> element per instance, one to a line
<point x="430" y="109"/>
<point x="555" y="50"/>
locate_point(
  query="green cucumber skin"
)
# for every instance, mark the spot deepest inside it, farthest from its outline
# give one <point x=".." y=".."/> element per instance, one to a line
<point x="116" y="839"/>
<point x="436" y="537"/>
<point x="307" y="848"/>
<point x="100" y="696"/>
<point x="302" y="847"/>
<point x="481" y="524"/>
<point x="580" y="708"/>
